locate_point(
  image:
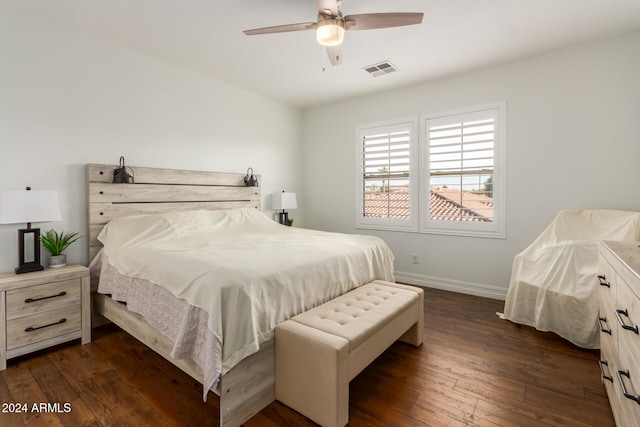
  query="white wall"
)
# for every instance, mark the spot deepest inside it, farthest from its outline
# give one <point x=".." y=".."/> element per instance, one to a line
<point x="573" y="141"/>
<point x="67" y="99"/>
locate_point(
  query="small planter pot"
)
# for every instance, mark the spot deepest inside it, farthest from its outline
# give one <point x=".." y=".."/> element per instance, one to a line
<point x="57" y="261"/>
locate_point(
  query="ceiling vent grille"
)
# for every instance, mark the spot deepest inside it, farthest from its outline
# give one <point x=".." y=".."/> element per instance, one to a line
<point x="380" y="69"/>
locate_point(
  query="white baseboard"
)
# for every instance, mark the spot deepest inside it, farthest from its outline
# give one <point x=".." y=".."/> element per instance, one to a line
<point x="476" y="289"/>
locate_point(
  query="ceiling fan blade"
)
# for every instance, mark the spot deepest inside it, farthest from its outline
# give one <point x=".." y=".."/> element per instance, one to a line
<point x="326" y="5"/>
<point x="370" y="21"/>
<point x="281" y="28"/>
<point x="335" y="54"/>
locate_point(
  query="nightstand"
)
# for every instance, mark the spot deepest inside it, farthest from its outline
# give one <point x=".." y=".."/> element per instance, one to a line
<point x="42" y="309"/>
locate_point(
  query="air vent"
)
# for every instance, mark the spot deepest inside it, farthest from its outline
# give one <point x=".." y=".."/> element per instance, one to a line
<point x="380" y="69"/>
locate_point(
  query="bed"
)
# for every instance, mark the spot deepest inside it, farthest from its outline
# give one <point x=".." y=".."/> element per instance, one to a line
<point x="224" y="352"/>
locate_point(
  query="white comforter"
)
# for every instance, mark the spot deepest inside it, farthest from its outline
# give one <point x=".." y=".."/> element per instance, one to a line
<point x="246" y="271"/>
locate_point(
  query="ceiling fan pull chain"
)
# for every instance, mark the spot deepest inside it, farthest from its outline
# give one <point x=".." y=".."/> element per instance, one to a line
<point x="324" y="68"/>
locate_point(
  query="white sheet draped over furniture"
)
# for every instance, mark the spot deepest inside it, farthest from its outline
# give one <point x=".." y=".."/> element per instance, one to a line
<point x="553" y="283"/>
<point x="245" y="271"/>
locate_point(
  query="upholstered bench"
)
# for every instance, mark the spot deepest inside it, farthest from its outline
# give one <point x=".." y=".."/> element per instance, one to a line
<point x="321" y="350"/>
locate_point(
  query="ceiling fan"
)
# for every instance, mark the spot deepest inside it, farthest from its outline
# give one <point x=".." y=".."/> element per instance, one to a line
<point x="331" y="25"/>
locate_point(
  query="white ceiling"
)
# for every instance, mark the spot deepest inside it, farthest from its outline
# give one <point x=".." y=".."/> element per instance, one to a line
<point x="455" y="36"/>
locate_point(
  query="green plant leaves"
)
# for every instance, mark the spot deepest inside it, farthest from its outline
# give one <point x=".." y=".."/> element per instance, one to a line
<point x="56" y="243"/>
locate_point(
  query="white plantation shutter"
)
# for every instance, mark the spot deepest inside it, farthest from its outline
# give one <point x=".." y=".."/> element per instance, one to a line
<point x="385" y="187"/>
<point x="461" y="167"/>
<point x="464" y="172"/>
<point x="449" y="178"/>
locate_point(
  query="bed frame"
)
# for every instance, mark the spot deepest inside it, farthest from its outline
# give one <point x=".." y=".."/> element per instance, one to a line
<point x="247" y="388"/>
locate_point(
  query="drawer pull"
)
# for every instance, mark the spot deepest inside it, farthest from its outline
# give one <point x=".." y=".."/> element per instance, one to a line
<point x="604" y="363"/>
<point x="602" y="280"/>
<point x="625" y="313"/>
<point x="602" y="329"/>
<point x="31" y="328"/>
<point x="628" y="395"/>
<point x="29" y="300"/>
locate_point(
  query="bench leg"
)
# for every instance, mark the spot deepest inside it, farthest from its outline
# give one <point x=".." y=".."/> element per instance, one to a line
<point x="415" y="334"/>
<point x="312" y="373"/>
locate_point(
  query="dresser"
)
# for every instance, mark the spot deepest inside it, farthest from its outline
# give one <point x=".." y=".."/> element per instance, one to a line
<point x="42" y="309"/>
<point x="619" y="317"/>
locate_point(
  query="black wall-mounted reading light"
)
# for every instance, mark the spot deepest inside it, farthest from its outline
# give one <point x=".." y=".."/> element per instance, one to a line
<point x="121" y="175"/>
<point x="250" y="180"/>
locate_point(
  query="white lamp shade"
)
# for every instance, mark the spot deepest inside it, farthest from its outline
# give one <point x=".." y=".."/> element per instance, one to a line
<point x="29" y="206"/>
<point x="284" y="201"/>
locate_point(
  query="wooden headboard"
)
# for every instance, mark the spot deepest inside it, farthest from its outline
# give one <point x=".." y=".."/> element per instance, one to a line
<point x="160" y="190"/>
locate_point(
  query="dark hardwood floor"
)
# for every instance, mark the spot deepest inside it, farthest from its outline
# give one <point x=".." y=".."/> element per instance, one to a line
<point x="473" y="370"/>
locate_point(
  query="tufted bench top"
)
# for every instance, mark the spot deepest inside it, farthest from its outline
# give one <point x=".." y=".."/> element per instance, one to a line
<point x="359" y="314"/>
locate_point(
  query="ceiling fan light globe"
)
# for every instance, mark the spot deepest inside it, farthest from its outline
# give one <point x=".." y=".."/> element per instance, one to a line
<point x="330" y="32"/>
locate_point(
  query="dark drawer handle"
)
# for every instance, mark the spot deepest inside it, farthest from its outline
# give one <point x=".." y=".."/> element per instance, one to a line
<point x="602" y="329"/>
<point x="61" y="294"/>
<point x="625" y="313"/>
<point x="602" y="280"/>
<point x="604" y="363"/>
<point x="31" y="328"/>
<point x="628" y="395"/>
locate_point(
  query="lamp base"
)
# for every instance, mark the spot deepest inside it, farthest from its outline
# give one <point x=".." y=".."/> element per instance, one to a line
<point x="29" y="268"/>
<point x="29" y="250"/>
<point x="283" y="218"/>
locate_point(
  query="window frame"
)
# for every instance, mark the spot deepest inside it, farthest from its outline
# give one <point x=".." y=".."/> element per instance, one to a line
<point x="392" y="224"/>
<point x="495" y="229"/>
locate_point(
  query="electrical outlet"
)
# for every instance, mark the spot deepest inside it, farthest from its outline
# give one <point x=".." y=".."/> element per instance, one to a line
<point x="415" y="259"/>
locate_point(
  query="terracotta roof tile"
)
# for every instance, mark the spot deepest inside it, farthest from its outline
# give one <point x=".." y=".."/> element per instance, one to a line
<point x="452" y="205"/>
<point x="392" y="204"/>
<point x="445" y="204"/>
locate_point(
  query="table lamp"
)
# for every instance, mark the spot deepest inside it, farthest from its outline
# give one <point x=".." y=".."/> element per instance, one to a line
<point x="29" y="206"/>
<point x="283" y="201"/>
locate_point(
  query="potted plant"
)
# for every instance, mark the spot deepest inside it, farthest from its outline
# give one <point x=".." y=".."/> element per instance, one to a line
<point x="56" y="243"/>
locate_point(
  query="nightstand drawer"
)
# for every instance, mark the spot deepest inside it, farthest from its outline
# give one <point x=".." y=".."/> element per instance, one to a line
<point x="41" y="326"/>
<point x="36" y="299"/>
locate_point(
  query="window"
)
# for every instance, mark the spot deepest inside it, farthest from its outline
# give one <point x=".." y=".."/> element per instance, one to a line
<point x="450" y="180"/>
<point x="386" y="188"/>
<point x="463" y="172"/>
